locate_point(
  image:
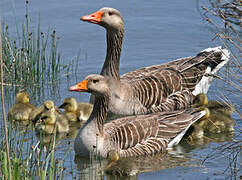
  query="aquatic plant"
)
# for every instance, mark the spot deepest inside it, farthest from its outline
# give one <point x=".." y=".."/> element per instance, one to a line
<point x="225" y="19"/>
<point x="29" y="59"/>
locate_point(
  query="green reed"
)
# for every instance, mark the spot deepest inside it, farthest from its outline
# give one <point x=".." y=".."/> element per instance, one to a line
<point x="30" y="158"/>
<point x="30" y="58"/>
<point x="33" y="56"/>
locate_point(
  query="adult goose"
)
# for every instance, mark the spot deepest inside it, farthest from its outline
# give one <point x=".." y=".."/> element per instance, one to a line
<point x="164" y="87"/>
<point x="132" y="135"/>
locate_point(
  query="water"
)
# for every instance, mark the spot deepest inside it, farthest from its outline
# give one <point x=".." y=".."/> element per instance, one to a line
<point x="155" y="32"/>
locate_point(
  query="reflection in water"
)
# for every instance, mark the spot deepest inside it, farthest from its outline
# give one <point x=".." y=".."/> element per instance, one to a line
<point x="131" y="166"/>
<point x="46" y="138"/>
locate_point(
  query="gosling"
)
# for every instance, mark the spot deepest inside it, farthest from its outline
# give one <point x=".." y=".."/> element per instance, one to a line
<point x="22" y="109"/>
<point x="46" y="106"/>
<point x="53" y="121"/>
<point x="220" y="119"/>
<point x="76" y="111"/>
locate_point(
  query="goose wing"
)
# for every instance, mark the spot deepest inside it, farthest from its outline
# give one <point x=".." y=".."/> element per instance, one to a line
<point x="149" y="134"/>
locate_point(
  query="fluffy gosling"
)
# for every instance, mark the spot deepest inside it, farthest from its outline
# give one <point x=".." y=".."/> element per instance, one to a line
<point x="76" y="111"/>
<point x="22" y="108"/>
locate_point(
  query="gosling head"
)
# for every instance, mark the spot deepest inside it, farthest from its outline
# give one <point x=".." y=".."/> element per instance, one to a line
<point x="112" y="156"/>
<point x="49" y="105"/>
<point x="69" y="104"/>
<point x="200" y="100"/>
<point x="22" y="97"/>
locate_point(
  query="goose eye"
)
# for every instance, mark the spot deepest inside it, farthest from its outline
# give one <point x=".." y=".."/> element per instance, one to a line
<point x="110" y="13"/>
<point x="95" y="81"/>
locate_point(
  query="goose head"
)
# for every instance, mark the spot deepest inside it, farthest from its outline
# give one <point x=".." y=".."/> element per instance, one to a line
<point x="107" y="17"/>
<point x="94" y="83"/>
<point x="22" y="97"/>
<point x="69" y="104"/>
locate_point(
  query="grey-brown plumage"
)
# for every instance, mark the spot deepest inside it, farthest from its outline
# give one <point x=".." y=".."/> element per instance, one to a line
<point x="22" y="108"/>
<point x="157" y="88"/>
<point x="132" y="135"/>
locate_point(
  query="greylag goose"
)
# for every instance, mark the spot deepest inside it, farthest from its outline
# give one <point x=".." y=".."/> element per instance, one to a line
<point x="22" y="108"/>
<point x="76" y="111"/>
<point x="128" y="136"/>
<point x="156" y="88"/>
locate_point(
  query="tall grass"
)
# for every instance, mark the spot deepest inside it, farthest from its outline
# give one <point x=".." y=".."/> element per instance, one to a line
<point x="28" y="59"/>
<point x="31" y="58"/>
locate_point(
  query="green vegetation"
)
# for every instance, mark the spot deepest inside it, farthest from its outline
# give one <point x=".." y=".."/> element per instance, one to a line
<point x="225" y="19"/>
<point x="28" y="158"/>
<point x="29" y="60"/>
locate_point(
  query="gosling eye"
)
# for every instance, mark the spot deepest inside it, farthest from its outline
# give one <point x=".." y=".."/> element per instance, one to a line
<point x="95" y="81"/>
<point x="110" y="13"/>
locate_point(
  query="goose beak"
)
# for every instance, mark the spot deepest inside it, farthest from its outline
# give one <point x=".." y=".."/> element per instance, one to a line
<point x="93" y="18"/>
<point x="80" y="87"/>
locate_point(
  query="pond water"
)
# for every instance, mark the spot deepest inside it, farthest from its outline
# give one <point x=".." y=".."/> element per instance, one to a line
<point x="155" y="32"/>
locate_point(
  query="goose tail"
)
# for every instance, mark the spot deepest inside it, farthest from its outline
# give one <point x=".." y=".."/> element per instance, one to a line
<point x="177" y="139"/>
<point x="212" y="68"/>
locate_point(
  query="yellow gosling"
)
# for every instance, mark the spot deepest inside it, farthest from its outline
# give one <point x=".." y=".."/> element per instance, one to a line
<point x="200" y="100"/>
<point x="53" y="120"/>
<point x="22" y="108"/>
<point x="48" y="105"/>
<point x="219" y="117"/>
<point x="76" y="111"/>
<point x="112" y="157"/>
<point x="85" y="110"/>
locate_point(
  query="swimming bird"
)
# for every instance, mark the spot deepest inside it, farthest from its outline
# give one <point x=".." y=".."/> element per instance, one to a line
<point x="220" y="119"/>
<point x="165" y="87"/>
<point x="76" y="111"/>
<point x="53" y="121"/>
<point x="128" y="136"/>
<point x="22" y="108"/>
<point x="46" y="106"/>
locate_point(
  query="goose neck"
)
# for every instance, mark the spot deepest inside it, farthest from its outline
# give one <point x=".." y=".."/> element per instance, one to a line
<point x="99" y="113"/>
<point x="114" y="47"/>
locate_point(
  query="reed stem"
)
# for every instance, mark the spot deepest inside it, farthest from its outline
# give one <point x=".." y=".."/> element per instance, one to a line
<point x="3" y="107"/>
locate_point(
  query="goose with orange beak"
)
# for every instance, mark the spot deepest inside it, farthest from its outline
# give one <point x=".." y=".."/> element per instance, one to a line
<point x="128" y="136"/>
<point x="157" y="88"/>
